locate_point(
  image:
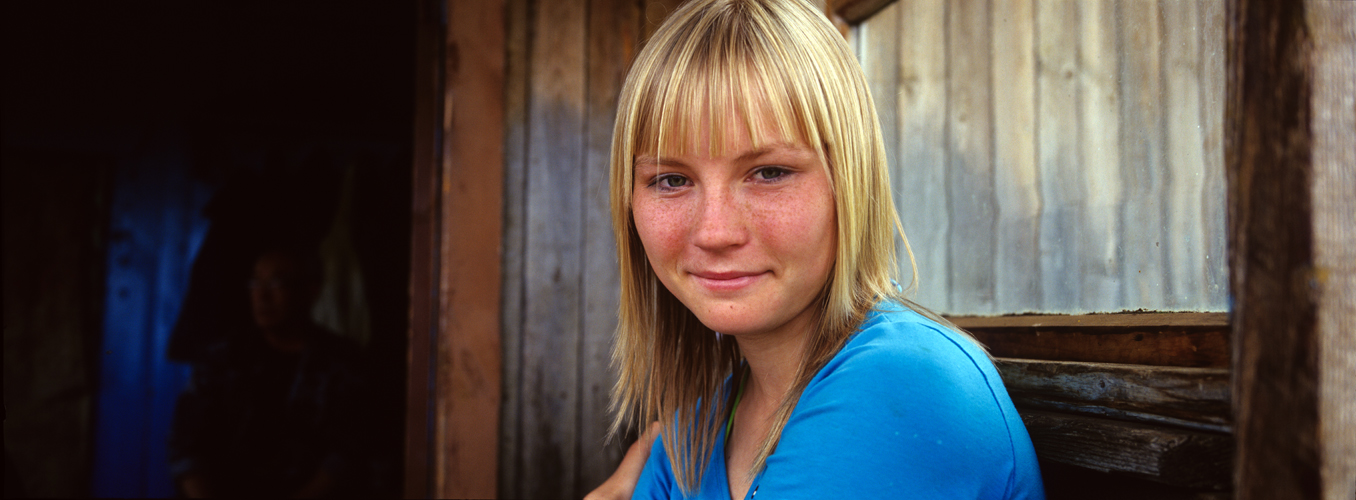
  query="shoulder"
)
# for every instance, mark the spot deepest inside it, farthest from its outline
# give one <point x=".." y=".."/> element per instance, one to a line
<point x="896" y="345"/>
<point x="921" y="400"/>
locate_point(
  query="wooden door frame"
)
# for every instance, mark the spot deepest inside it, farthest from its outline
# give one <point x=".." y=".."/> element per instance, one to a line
<point x="454" y="391"/>
<point x="1288" y="165"/>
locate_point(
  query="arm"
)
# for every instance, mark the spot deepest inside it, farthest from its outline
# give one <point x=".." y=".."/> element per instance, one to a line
<point x="623" y="482"/>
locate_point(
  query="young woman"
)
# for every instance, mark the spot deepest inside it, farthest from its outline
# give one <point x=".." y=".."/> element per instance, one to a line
<point x="760" y="325"/>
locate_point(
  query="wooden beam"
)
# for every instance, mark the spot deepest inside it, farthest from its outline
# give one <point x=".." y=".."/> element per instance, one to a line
<point x="424" y="231"/>
<point x="1195" y="398"/>
<point x="1133" y="319"/>
<point x="1268" y="167"/>
<point x="1289" y="165"/>
<point x="469" y="358"/>
<point x="1189" y="340"/>
<point x="856" y="11"/>
<point x="1162" y="454"/>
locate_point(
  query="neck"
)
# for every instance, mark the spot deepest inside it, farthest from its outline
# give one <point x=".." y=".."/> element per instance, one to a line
<point x="773" y="360"/>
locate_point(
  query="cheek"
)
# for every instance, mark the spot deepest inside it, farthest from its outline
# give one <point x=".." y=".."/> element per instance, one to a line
<point x="659" y="225"/>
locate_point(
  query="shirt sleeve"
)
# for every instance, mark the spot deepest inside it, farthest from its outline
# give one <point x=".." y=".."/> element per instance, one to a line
<point x="905" y="411"/>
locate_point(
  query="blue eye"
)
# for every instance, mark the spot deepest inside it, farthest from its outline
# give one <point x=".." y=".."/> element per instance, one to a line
<point x="770" y="173"/>
<point x="670" y="181"/>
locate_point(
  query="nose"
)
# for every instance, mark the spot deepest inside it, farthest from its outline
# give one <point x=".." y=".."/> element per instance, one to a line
<point x="721" y="222"/>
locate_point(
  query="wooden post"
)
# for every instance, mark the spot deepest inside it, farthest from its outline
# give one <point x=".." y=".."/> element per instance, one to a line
<point x="455" y="359"/>
<point x="1290" y="168"/>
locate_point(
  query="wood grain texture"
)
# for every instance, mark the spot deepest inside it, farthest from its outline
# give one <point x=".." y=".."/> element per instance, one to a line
<point x="552" y="315"/>
<point x="1157" y="345"/>
<point x="1195" y="398"/>
<point x="468" y="345"/>
<point x="1269" y="168"/>
<point x="516" y="124"/>
<point x="424" y="229"/>
<point x="970" y="164"/>
<point x="1217" y="320"/>
<point x="1163" y="454"/>
<point x="613" y="41"/>
<point x="1334" y="30"/>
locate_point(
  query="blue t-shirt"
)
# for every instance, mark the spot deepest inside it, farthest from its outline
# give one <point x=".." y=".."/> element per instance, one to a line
<point x="908" y="409"/>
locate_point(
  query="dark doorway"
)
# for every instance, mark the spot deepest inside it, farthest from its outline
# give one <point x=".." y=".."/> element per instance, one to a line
<point x="137" y="138"/>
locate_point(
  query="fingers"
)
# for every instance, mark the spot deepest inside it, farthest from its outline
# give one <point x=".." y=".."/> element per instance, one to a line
<point x="623" y="481"/>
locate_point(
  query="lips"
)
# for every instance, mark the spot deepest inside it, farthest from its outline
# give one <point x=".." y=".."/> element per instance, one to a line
<point x="725" y="281"/>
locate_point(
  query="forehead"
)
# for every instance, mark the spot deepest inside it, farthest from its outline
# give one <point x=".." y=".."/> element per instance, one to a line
<point x="705" y="130"/>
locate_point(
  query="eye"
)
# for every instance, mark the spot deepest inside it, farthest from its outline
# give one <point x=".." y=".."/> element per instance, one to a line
<point x="670" y="181"/>
<point x="770" y="173"/>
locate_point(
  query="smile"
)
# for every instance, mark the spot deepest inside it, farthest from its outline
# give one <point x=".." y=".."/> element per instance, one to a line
<point x="726" y="281"/>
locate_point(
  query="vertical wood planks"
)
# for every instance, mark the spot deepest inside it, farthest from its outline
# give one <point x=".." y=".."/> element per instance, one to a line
<point x="516" y="29"/>
<point x="920" y="175"/>
<point x="468" y="345"/>
<point x="613" y="40"/>
<point x="1099" y="141"/>
<point x="1185" y="180"/>
<point x="552" y="318"/>
<point x="1017" y="271"/>
<point x="1333" y="25"/>
<point x="1057" y="149"/>
<point x="970" y="165"/>
<point x="1142" y="155"/>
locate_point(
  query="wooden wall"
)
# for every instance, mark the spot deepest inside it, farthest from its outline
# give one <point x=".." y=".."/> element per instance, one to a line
<point x="566" y="63"/>
<point x="1057" y="156"/>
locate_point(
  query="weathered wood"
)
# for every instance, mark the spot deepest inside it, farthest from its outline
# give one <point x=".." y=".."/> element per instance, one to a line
<point x="1057" y="148"/>
<point x="1182" y="339"/>
<point x="1196" y="398"/>
<point x="424" y="236"/>
<point x="856" y="11"/>
<point x="614" y="40"/>
<point x="1016" y="268"/>
<point x="919" y="179"/>
<point x="468" y="359"/>
<point x="1288" y="158"/>
<point x="1163" y="454"/>
<point x="1333" y="25"/>
<point x="970" y="143"/>
<point x="517" y="26"/>
<point x="552" y="316"/>
<point x="1140" y="320"/>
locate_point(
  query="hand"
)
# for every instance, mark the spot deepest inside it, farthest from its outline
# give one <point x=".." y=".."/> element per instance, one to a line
<point x="623" y="481"/>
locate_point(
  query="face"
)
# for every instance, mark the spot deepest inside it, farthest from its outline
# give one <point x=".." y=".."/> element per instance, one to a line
<point x="745" y="239"/>
<point x="276" y="297"/>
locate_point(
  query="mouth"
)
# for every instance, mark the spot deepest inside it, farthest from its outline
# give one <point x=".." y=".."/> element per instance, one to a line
<point x="722" y="281"/>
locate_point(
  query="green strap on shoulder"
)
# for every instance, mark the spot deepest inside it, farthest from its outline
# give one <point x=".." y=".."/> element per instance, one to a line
<point x="729" y="424"/>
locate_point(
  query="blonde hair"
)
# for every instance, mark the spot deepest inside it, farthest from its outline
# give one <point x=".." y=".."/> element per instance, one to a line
<point x="781" y="68"/>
